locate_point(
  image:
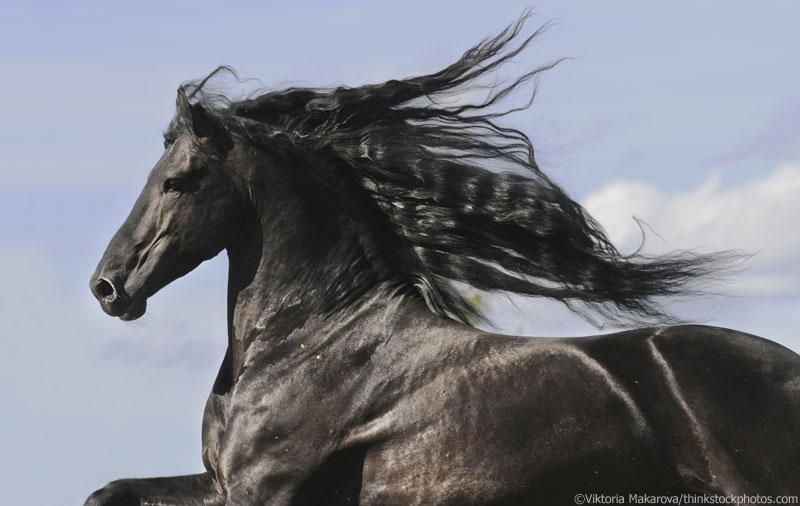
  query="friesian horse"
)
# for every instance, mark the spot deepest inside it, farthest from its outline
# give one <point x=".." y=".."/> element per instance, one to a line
<point x="353" y="374"/>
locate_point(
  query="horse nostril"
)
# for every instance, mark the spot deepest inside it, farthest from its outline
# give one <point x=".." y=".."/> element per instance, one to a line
<point x="104" y="289"/>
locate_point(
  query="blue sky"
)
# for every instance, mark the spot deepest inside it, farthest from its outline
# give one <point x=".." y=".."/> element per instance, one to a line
<point x="685" y="114"/>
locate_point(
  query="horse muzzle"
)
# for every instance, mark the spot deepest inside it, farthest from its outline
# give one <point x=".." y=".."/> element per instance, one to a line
<point x="114" y="300"/>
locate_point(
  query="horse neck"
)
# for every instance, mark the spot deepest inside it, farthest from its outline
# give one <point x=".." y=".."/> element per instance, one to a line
<point x="288" y="265"/>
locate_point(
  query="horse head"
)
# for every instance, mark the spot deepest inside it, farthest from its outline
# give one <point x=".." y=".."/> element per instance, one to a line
<point x="186" y="213"/>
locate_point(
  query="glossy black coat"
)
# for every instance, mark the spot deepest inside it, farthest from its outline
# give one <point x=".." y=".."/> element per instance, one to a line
<point x="370" y="398"/>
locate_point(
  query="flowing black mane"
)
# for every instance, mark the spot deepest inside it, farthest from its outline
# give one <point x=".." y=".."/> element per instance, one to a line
<point x="449" y="194"/>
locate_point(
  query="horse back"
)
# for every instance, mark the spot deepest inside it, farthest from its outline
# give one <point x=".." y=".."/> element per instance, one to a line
<point x="724" y="405"/>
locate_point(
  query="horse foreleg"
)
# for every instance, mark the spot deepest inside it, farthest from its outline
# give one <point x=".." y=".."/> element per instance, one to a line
<point x="189" y="490"/>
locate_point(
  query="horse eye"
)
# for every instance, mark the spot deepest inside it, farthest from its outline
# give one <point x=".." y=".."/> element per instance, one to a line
<point x="173" y="185"/>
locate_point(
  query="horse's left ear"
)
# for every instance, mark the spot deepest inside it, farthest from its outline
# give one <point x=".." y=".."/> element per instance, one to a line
<point x="184" y="108"/>
<point x="194" y="116"/>
<point x="200" y="123"/>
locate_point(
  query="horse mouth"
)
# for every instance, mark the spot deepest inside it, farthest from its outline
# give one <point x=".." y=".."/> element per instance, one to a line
<point x="135" y="310"/>
<point x="125" y="308"/>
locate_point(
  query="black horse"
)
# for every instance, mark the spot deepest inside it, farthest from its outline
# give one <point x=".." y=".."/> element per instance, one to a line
<point x="352" y="375"/>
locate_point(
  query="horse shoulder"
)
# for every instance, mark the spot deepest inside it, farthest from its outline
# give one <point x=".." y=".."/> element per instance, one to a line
<point x="463" y="398"/>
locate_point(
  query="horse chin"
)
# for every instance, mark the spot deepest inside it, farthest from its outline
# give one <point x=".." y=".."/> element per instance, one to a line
<point x="135" y="311"/>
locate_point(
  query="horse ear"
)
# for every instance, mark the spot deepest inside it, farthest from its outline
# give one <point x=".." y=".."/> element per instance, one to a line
<point x="184" y="108"/>
<point x="199" y="122"/>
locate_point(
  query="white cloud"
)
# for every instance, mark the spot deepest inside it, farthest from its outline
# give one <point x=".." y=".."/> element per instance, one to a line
<point x="759" y="216"/>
